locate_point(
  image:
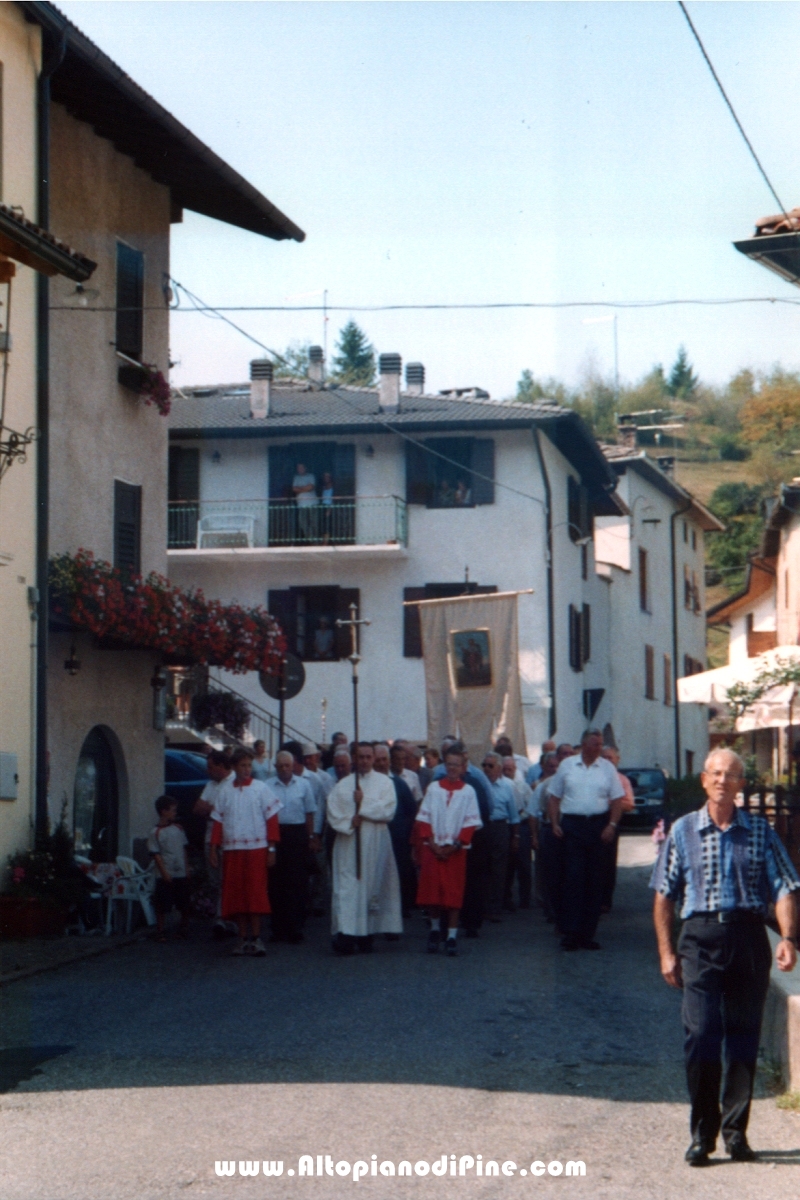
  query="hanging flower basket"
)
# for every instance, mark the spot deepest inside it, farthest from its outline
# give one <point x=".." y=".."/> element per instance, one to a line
<point x="151" y="614"/>
<point x="221" y="710"/>
<point x="146" y="380"/>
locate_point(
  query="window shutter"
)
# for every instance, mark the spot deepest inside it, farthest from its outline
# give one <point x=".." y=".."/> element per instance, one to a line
<point x="667" y="679"/>
<point x="282" y="606"/>
<point x="130" y="288"/>
<point x="412" y="626"/>
<point x="586" y="633"/>
<point x="419" y="476"/>
<point x="649" y="673"/>
<point x="344" y="598"/>
<point x="644" y="588"/>
<point x="344" y="470"/>
<point x="184" y="473"/>
<point x="483" y="465"/>
<point x="127" y="526"/>
<point x="574" y="638"/>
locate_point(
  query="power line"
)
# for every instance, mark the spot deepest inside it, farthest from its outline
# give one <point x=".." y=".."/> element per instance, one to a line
<point x="478" y="306"/>
<point x="739" y="125"/>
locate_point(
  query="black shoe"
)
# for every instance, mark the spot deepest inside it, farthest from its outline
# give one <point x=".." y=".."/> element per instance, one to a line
<point x="342" y="944"/>
<point x="365" y="944"/>
<point x="434" y="937"/>
<point x="218" y="931"/>
<point x="471" y="933"/>
<point x="391" y="937"/>
<point x="739" y="1149"/>
<point x="588" y="944"/>
<point x="698" y="1152"/>
<point x="570" y="943"/>
<point x="451" y="948"/>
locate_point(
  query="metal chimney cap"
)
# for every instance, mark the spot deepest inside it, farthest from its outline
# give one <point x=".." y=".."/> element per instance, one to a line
<point x="261" y="368"/>
<point x="315" y="354"/>
<point x="390" y="364"/>
<point x="415" y="372"/>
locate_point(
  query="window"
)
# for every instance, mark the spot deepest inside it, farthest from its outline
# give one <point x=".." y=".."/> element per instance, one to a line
<point x="691" y="666"/>
<point x="667" y="679"/>
<point x="308" y="616"/>
<point x="685" y="532"/>
<point x="644" y="588"/>
<point x="412" y="628"/>
<point x="691" y="590"/>
<point x="130" y="297"/>
<point x="580" y="636"/>
<point x="578" y="517"/>
<point x="184" y="494"/>
<point x="127" y="526"/>
<point x="584" y="561"/>
<point x="649" y="674"/>
<point x="462" y="477"/>
<point x="694" y="539"/>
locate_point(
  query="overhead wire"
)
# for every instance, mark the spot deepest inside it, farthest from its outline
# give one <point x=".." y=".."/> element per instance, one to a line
<point x="731" y="109"/>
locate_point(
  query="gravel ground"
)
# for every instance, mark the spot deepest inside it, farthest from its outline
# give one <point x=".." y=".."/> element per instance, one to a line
<point x="130" y="1074"/>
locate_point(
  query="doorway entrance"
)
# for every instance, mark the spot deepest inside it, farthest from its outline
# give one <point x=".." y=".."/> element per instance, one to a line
<point x="96" y="801"/>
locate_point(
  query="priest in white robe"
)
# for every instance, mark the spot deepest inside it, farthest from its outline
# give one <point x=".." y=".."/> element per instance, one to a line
<point x="366" y="887"/>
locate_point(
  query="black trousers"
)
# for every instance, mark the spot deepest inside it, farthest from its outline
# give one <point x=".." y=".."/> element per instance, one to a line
<point x="499" y="849"/>
<point x="476" y="886"/>
<point x="582" y="886"/>
<point x="725" y="978"/>
<point x="550" y="871"/>
<point x="288" y="882"/>
<point x="520" y="868"/>
<point x="610" y="851"/>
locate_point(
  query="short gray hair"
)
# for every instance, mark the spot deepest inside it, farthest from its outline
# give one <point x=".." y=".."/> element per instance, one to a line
<point x="587" y="733"/>
<point x="717" y="751"/>
<point x="284" y="754"/>
<point x="341" y="752"/>
<point x="494" y="755"/>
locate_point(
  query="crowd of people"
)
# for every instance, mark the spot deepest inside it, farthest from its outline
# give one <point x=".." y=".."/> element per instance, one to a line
<point x="376" y="830"/>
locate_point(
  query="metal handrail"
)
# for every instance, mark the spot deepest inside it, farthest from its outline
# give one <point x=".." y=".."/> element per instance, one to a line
<point x="265" y="522"/>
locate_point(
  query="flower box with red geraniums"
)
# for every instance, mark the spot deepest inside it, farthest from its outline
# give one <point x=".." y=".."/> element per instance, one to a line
<point x="149" y="613"/>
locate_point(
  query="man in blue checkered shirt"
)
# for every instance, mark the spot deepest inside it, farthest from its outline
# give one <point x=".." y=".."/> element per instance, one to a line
<point x="722" y="867"/>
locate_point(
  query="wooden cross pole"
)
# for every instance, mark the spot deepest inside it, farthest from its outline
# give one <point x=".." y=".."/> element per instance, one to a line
<point x="354" y="659"/>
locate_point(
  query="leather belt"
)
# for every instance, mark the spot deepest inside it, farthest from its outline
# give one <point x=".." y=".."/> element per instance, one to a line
<point x="730" y="916"/>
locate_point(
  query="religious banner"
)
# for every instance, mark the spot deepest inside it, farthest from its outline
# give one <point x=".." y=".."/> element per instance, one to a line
<point x="469" y="646"/>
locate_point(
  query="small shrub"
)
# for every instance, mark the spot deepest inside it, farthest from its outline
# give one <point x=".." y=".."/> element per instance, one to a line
<point x="684" y="795"/>
<point x="219" y="708"/>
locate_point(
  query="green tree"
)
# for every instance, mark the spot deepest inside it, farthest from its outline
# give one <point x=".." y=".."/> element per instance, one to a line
<point x="739" y="506"/>
<point x="682" y="382"/>
<point x="354" y="362"/>
<point x="531" y="390"/>
<point x="295" y="361"/>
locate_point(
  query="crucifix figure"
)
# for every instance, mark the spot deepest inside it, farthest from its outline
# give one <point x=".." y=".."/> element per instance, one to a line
<point x="354" y="658"/>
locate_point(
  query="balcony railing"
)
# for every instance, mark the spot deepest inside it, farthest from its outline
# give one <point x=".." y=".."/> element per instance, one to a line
<point x="234" y="524"/>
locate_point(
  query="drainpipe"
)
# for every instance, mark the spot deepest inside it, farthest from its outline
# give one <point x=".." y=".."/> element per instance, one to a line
<point x="673" y="518"/>
<point x="53" y="50"/>
<point x="551" y="636"/>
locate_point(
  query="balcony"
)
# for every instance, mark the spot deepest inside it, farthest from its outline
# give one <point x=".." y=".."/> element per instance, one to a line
<point x="279" y="529"/>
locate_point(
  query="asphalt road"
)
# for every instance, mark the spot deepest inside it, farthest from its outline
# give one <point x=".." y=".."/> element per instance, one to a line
<point x="131" y="1074"/>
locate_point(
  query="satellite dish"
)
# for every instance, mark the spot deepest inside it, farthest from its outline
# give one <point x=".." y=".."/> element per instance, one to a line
<point x="293" y="679"/>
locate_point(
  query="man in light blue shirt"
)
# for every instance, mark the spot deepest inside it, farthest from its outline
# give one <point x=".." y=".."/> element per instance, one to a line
<point x="288" y="880"/>
<point x="503" y="830"/>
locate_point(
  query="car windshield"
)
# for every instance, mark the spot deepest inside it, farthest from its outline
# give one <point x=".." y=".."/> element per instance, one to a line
<point x="182" y="766"/>
<point x="646" y="781"/>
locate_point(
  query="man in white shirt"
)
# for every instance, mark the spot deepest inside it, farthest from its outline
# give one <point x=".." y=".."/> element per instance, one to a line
<point x="584" y="806"/>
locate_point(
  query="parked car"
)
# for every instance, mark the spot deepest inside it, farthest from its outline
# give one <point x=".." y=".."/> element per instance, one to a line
<point x="185" y="776"/>
<point x="649" y="792"/>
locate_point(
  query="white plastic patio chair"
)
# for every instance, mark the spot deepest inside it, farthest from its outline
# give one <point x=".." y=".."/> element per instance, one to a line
<point x="134" y="886"/>
<point x="225" y="529"/>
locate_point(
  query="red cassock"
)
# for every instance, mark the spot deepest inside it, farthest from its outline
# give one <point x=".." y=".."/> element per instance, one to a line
<point x="441" y="882"/>
<point x="244" y="874"/>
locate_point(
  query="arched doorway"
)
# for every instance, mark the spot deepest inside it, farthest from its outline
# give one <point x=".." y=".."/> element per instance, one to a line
<point x="96" y="801"/>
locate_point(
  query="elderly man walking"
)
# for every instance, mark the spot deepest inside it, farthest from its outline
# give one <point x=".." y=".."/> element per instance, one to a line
<point x="722" y="867"/>
<point x="503" y="831"/>
<point x="584" y="805"/>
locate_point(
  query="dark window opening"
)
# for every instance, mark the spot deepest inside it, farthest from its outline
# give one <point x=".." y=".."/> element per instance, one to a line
<point x="412" y="626"/>
<point x="580" y="636"/>
<point x="127" y="526"/>
<point x="308" y="616"/>
<point x="649" y="673"/>
<point x="584" y="561"/>
<point x="95" y="806"/>
<point x="130" y="299"/>
<point x="644" y="586"/>
<point x="184" y="496"/>
<point x="330" y="515"/>
<point x="667" y="679"/>
<point x="450" y="472"/>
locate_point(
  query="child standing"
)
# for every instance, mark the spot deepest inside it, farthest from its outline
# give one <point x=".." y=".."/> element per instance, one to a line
<point x="245" y="824"/>
<point x="446" y="822"/>
<point x="167" y="844"/>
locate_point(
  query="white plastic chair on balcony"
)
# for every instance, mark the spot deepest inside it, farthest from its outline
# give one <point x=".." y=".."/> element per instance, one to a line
<point x="134" y="886"/>
<point x="219" y="530"/>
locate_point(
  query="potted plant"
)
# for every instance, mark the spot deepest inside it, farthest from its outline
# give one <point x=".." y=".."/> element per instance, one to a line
<point x="146" y="380"/>
<point x="45" y="884"/>
<point x="222" y="710"/>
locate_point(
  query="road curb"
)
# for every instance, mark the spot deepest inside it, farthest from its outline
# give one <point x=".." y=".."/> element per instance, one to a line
<point x="103" y="946"/>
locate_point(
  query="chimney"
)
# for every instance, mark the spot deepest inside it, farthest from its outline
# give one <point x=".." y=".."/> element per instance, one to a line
<point x="260" y="387"/>
<point x="667" y="464"/>
<point x="415" y="379"/>
<point x="626" y="430"/>
<point x="316" y="365"/>
<point x="389" y="369"/>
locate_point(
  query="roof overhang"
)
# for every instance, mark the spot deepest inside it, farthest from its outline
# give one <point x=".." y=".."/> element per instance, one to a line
<point x="760" y="581"/>
<point x="694" y="510"/>
<point x="27" y="243"/>
<point x="94" y="89"/>
<point x="779" y="252"/>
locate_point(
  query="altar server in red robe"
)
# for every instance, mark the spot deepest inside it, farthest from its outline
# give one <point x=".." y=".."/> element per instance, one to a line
<point x="446" y="821"/>
<point x="245" y="824"/>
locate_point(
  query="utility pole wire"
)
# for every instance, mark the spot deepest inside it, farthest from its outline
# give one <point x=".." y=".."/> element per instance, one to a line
<point x="739" y="126"/>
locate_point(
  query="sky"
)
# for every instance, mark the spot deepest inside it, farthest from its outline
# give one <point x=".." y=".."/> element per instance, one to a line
<point x="463" y="153"/>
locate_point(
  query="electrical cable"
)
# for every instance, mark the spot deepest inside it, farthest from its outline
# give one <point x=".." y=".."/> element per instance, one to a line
<point x="739" y="125"/>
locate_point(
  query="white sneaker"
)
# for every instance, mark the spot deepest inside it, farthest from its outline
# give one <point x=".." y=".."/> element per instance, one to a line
<point x="258" y="948"/>
<point x="242" y="947"/>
